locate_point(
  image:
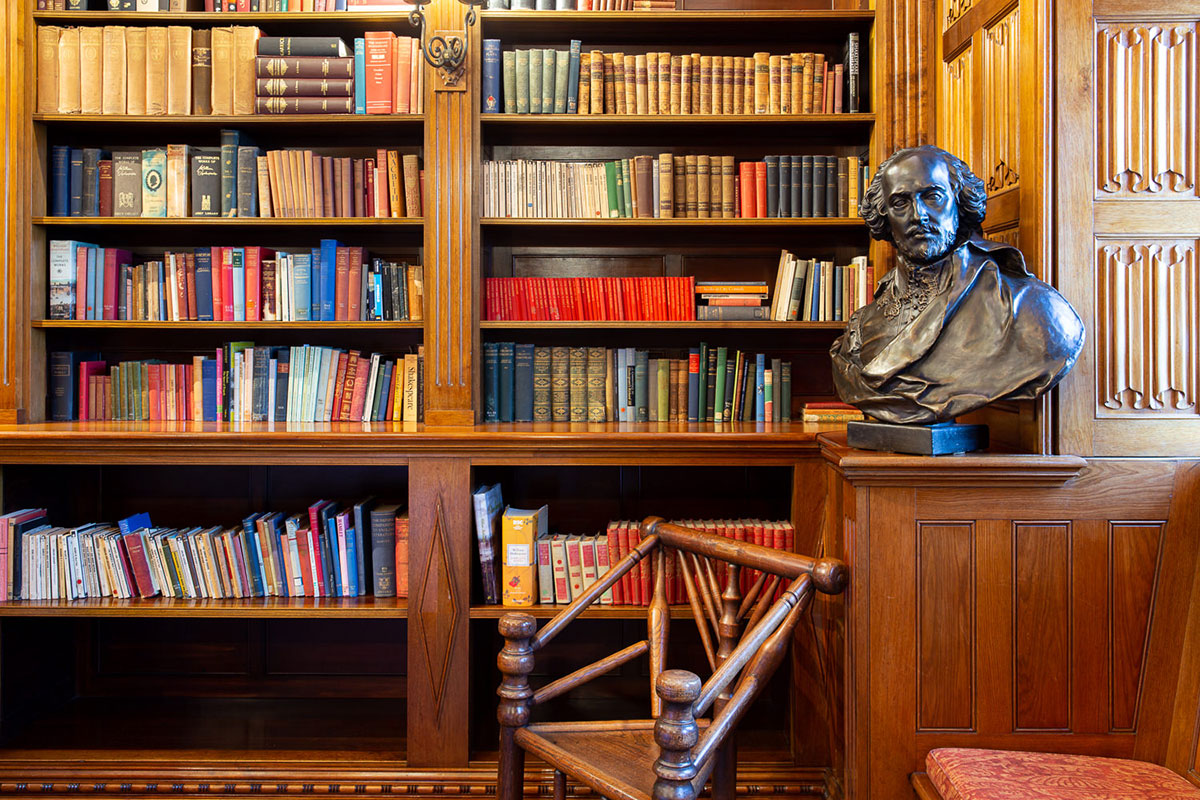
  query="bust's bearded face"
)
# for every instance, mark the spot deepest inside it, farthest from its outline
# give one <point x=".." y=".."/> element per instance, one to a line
<point x="921" y="206"/>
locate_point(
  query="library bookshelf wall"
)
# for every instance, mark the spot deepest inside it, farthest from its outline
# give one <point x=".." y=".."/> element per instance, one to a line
<point x="296" y="696"/>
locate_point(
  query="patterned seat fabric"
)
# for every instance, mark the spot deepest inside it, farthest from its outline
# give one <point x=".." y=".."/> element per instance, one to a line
<point x="966" y="774"/>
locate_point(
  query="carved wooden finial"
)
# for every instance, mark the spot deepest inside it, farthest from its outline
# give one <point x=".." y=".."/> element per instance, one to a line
<point x="676" y="734"/>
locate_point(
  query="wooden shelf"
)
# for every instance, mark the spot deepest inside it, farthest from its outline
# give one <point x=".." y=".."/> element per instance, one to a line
<point x="674" y="26"/>
<point x="736" y="222"/>
<point x="742" y="325"/>
<point x="263" y="607"/>
<point x="71" y="324"/>
<point x="704" y="120"/>
<point x="319" y="20"/>
<point x="407" y="120"/>
<point x="233" y="222"/>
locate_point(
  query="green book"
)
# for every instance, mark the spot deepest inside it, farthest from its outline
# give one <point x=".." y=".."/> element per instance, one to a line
<point x="560" y="384"/>
<point x="597" y="363"/>
<point x="562" y="77"/>
<point x="491" y="382"/>
<point x="719" y="390"/>
<point x="535" y="81"/>
<point x="549" y="70"/>
<point x="664" y="389"/>
<point x="508" y="76"/>
<point x="627" y="187"/>
<point x="702" y="385"/>
<point x="776" y="390"/>
<point x="154" y="182"/>
<point x="521" y="61"/>
<point x="541" y="384"/>
<point x="730" y="380"/>
<point x="641" y="392"/>
<point x="612" y="184"/>
<point x="710" y="385"/>
<point x="785" y="391"/>
<point x="578" y="377"/>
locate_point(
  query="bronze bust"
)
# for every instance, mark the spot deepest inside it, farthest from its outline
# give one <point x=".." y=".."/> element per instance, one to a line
<point x="960" y="321"/>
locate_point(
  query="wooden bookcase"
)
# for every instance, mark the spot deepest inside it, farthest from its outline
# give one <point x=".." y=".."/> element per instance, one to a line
<point x="291" y="697"/>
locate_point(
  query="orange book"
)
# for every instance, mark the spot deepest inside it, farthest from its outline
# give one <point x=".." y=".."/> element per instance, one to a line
<point x="746" y="180"/>
<point x="402" y="93"/>
<point x="402" y="554"/>
<point x="380" y="82"/>
<point x="760" y="188"/>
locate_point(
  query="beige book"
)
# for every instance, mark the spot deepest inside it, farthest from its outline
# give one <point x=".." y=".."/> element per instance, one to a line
<point x="631" y="84"/>
<point x="772" y="85"/>
<point x="416" y="295"/>
<point x="222" y="71"/>
<point x="748" y="99"/>
<point x="704" y="87"/>
<point x="412" y="185"/>
<point x="47" y="69"/>
<point x="641" y="84"/>
<point x="651" y="83"/>
<point x="728" y="73"/>
<point x="395" y="184"/>
<point x="685" y="85"/>
<point x="666" y="181"/>
<point x="703" y="187"/>
<point x="91" y="70"/>
<point x="762" y="83"/>
<point x="178" y="175"/>
<point x="179" y="70"/>
<point x="597" y="80"/>
<point x="114" y="71"/>
<point x="664" y="83"/>
<point x="156" y="71"/>
<point x="797" y="78"/>
<point x="728" y="188"/>
<point x="245" y="48"/>
<point x="785" y="85"/>
<point x="135" y="70"/>
<point x="806" y="83"/>
<point x="265" y="208"/>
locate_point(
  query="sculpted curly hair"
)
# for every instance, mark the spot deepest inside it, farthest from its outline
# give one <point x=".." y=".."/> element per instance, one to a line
<point x="970" y="191"/>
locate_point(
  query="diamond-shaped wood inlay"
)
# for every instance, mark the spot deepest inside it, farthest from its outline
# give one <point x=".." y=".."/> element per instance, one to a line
<point x="438" y="609"/>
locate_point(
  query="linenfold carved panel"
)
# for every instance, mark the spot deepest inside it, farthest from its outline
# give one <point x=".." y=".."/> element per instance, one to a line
<point x="1001" y="87"/>
<point x="1146" y="327"/>
<point x="954" y="9"/>
<point x="957" y="134"/>
<point x="1146" y="110"/>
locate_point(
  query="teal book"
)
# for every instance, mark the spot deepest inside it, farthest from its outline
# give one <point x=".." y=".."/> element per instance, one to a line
<point x="523" y="383"/>
<point x="760" y="369"/>
<point x="573" y="77"/>
<point x="641" y="391"/>
<point x="535" y="81"/>
<point x="302" y="285"/>
<point x="360" y="75"/>
<point x="562" y="78"/>
<point x="521" y="80"/>
<point x="718" y="408"/>
<point x="154" y="182"/>
<point x="710" y="386"/>
<point x="508" y="81"/>
<point x="785" y="391"/>
<point x="611" y="189"/>
<point x="627" y="188"/>
<point x="229" y="162"/>
<point x="506" y="371"/>
<point x="549" y="72"/>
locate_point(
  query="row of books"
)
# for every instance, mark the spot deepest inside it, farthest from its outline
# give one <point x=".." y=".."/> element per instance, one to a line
<point x="332" y="283"/>
<point x="581" y="5"/>
<point x="675" y="186"/>
<point x="528" y="383"/>
<point x="254" y="6"/>
<point x="830" y="411"/>
<point x="234" y="180"/>
<point x="178" y="70"/>
<point x="571" y="81"/>
<point x="329" y="551"/>
<point x="813" y="290"/>
<point x="595" y="298"/>
<point x="242" y="383"/>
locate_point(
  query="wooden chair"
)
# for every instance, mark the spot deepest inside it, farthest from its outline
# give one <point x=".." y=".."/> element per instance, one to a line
<point x="672" y="755"/>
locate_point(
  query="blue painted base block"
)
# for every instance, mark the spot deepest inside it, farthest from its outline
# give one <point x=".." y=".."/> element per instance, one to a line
<point x="940" y="439"/>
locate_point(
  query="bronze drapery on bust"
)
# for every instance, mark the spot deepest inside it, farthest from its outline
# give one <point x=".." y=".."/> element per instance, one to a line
<point x="960" y="321"/>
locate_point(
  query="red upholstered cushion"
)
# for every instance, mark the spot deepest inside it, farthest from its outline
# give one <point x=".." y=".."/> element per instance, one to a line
<point x="965" y="774"/>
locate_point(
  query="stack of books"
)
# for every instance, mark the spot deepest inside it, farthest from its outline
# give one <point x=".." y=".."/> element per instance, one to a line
<point x="731" y="300"/>
<point x="831" y="411"/>
<point x="307" y="91"/>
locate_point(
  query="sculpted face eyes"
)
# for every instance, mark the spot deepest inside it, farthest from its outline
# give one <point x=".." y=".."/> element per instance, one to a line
<point x="922" y="207"/>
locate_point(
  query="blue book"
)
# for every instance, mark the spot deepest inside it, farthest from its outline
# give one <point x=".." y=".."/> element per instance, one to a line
<point x="573" y="78"/>
<point x="302" y="283"/>
<point x="352" y="562"/>
<point x="838" y="277"/>
<point x="491" y="76"/>
<point x="282" y="368"/>
<point x="60" y="180"/>
<point x="208" y="389"/>
<point x="92" y="252"/>
<point x="316" y="283"/>
<point x="506" y="381"/>
<point x="333" y="566"/>
<point x="360" y="75"/>
<point x="814" y="281"/>
<point x="229" y="172"/>
<point x="339" y="5"/>
<point x="76" y="166"/>
<point x="377" y="287"/>
<point x="162" y="295"/>
<point x="99" y="283"/>
<point x="135" y="522"/>
<point x="760" y="369"/>
<point x="523" y="383"/>
<point x="491" y="382"/>
<point x="328" y="282"/>
<point x="693" y="397"/>
<point x="238" y="255"/>
<point x="257" y="578"/>
<point x="204" y="306"/>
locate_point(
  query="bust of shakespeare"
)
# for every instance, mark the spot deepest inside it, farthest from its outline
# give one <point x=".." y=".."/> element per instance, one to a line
<point x="960" y="321"/>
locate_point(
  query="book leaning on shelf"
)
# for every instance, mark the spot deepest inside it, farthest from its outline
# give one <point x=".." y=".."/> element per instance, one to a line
<point x="330" y="283"/>
<point x="578" y="81"/>
<point x="235" y="180"/>
<point x="675" y="186"/>
<point x="528" y="383"/>
<point x="488" y="505"/>
<point x="241" y="383"/>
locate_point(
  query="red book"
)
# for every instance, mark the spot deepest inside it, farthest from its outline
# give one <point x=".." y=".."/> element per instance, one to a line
<point x="338" y="384"/>
<point x="254" y="259"/>
<point x="81" y="285"/>
<point x="106" y="177"/>
<point x="380" y="47"/>
<point x="303" y="542"/>
<point x="113" y="260"/>
<point x="154" y="391"/>
<point x="746" y="178"/>
<point x="614" y="555"/>
<point x="189" y="266"/>
<point x="369" y="187"/>
<point x="838" y="78"/>
<point x="139" y="566"/>
<point x="227" y="282"/>
<point x="760" y="188"/>
<point x="341" y="283"/>
<point x="86" y="370"/>
<point x="218" y="285"/>
<point x="361" y="379"/>
<point x="348" y="385"/>
<point x="354" y="294"/>
<point x="402" y="554"/>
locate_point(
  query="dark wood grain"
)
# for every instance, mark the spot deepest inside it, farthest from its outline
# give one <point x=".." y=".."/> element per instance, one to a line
<point x="1042" y="652"/>
<point x="945" y="619"/>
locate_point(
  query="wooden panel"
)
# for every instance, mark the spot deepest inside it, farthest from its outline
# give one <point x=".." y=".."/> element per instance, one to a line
<point x="1145" y="341"/>
<point x="954" y="11"/>
<point x="1146" y="110"/>
<point x="945" y="627"/>
<point x="1041" y="645"/>
<point x="1133" y="550"/>
<point x="1001" y="104"/>
<point x="1089" y="649"/>
<point x="957" y="120"/>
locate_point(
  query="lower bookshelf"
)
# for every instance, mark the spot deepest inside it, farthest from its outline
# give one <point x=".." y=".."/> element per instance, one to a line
<point x="293" y="696"/>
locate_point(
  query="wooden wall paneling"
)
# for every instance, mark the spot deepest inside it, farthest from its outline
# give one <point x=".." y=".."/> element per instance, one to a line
<point x="1001" y="106"/>
<point x="994" y="626"/>
<point x="1131" y="546"/>
<point x="945" y="617"/>
<point x="1091" y="627"/>
<point x="439" y="580"/>
<point x="958" y="120"/>
<point x="16" y="155"/>
<point x="452" y="279"/>
<point x="1042" y="631"/>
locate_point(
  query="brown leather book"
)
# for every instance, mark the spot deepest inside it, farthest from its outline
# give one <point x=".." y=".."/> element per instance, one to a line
<point x="643" y="181"/>
<point x="412" y="185"/>
<point x="47" y="69"/>
<point x="584" y="101"/>
<point x="691" y="187"/>
<point x="179" y="70"/>
<point x="327" y="199"/>
<point x="762" y="82"/>
<point x="91" y="70"/>
<point x="696" y="83"/>
<point x="201" y="71"/>
<point x="666" y="182"/>
<point x="304" y="105"/>
<point x="245" y="50"/>
<point x="679" y="195"/>
<point x="303" y="67"/>
<point x="610" y="84"/>
<point x="705" y="84"/>
<point x="685" y="85"/>
<point x="222" y="71"/>
<point x="714" y="187"/>
<point x="303" y="87"/>
<point x="640" y="88"/>
<point x="651" y="83"/>
<point x="619" y="96"/>
<point x="728" y="73"/>
<point x="728" y="188"/>
<point x="797" y="70"/>
<point x="135" y="70"/>
<point x="773" y="84"/>
<point x="156" y="71"/>
<point x="748" y="84"/>
<point x="106" y="183"/>
<point x="703" y="187"/>
<point x="310" y="184"/>
<point x="664" y="83"/>
<point x="599" y="86"/>
<point x="806" y="83"/>
<point x="785" y="85"/>
<point x="358" y="188"/>
<point x="674" y="97"/>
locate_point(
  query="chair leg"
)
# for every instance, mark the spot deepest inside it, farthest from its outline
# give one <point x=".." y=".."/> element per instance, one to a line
<point x="510" y="778"/>
<point x="724" y="774"/>
<point x="515" y="662"/>
<point x="560" y="786"/>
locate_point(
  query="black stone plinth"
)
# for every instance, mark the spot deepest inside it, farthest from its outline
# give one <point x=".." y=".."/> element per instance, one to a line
<point x="923" y="440"/>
